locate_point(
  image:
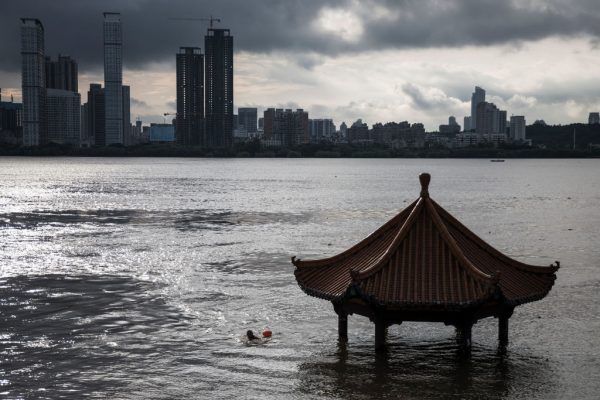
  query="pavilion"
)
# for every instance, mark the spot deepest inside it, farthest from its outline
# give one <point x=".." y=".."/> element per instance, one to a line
<point x="424" y="265"/>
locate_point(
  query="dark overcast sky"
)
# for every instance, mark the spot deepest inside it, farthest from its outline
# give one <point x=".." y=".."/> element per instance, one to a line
<point x="75" y="26"/>
<point x="373" y="59"/>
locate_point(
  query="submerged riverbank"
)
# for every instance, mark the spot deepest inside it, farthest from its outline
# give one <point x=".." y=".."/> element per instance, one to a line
<point x="255" y="150"/>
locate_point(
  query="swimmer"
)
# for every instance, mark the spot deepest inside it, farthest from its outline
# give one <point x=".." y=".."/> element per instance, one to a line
<point x="250" y="335"/>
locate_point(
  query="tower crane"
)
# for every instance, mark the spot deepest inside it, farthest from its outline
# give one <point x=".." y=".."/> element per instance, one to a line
<point x="211" y="20"/>
<point x="165" y="116"/>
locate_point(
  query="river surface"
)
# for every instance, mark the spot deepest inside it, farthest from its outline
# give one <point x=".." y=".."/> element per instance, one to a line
<point x="135" y="279"/>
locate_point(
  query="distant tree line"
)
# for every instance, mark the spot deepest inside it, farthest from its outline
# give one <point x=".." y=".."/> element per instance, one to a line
<point x="549" y="142"/>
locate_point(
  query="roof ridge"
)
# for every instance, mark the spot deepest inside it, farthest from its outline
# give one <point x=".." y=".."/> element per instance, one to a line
<point x="457" y="252"/>
<point x="422" y="202"/>
<point x="298" y="263"/>
<point x="400" y="236"/>
<point x="491" y="250"/>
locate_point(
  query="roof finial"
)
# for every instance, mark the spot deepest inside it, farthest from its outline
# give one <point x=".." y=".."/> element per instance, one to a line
<point x="425" y="178"/>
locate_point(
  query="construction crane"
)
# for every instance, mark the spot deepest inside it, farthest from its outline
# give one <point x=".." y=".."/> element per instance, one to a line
<point x="165" y="116"/>
<point x="210" y="20"/>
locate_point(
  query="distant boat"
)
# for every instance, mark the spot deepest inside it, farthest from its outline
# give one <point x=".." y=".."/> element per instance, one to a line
<point x="497" y="160"/>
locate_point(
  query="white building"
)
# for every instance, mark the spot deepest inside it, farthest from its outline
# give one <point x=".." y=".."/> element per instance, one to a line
<point x="467" y="139"/>
<point x="517" y="128"/>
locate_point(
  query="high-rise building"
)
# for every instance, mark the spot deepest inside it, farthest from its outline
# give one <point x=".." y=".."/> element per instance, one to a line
<point x="113" y="78"/>
<point x="451" y="127"/>
<point x="247" y="119"/>
<point x="63" y="109"/>
<point x="477" y="97"/>
<point x="467" y="122"/>
<point x="61" y="74"/>
<point x="189" y="125"/>
<point x="343" y="129"/>
<point x="126" y="115"/>
<point x="286" y="127"/>
<point x="502" y="121"/>
<point x="358" y="132"/>
<point x="11" y="121"/>
<point x="490" y="120"/>
<point x="321" y="130"/>
<point x="486" y="118"/>
<point x="219" y="87"/>
<point x="594" y="118"/>
<point x="84" y="135"/>
<point x="95" y="115"/>
<point x="33" y="83"/>
<point x="517" y="128"/>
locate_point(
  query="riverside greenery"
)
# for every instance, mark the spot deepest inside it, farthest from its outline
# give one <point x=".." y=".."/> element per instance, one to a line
<point x="255" y="149"/>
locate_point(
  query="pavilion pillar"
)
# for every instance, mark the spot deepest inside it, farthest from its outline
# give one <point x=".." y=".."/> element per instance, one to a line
<point x="343" y="327"/>
<point x="503" y="330"/>
<point x="503" y="327"/>
<point x="342" y="322"/>
<point x="380" y="333"/>
<point x="463" y="334"/>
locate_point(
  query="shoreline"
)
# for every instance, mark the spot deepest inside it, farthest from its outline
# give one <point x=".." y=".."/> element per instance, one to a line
<point x="252" y="150"/>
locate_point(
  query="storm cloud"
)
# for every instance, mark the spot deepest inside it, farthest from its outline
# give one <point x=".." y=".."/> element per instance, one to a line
<point x="379" y="60"/>
<point x="323" y="27"/>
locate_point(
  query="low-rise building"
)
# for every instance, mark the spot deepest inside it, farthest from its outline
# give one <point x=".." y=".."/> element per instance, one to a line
<point x="161" y="133"/>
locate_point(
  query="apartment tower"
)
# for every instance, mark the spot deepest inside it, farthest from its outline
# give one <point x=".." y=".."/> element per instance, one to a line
<point x="113" y="79"/>
<point x="33" y="82"/>
<point x="189" y="125"/>
<point x="219" y="88"/>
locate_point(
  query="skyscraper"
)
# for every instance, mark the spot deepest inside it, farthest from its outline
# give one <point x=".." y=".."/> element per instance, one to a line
<point x="219" y="88"/>
<point x="61" y="74"/>
<point x="487" y="118"/>
<point x="477" y="97"/>
<point x="95" y="118"/>
<point x="33" y="82"/>
<point x="113" y="78"/>
<point x="189" y="125"/>
<point x="247" y="118"/>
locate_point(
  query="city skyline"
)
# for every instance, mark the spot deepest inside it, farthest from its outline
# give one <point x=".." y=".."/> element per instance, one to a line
<point x="533" y="71"/>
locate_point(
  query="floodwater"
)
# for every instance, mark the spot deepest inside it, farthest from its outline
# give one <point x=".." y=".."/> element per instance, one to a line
<point x="135" y="278"/>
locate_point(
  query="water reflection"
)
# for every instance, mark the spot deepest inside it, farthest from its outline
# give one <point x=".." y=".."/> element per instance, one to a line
<point x="217" y="236"/>
<point x="425" y="370"/>
<point x="184" y="220"/>
<point x="69" y="336"/>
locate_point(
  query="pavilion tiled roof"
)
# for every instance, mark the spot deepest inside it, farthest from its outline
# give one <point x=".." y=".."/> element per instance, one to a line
<point x="424" y="258"/>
